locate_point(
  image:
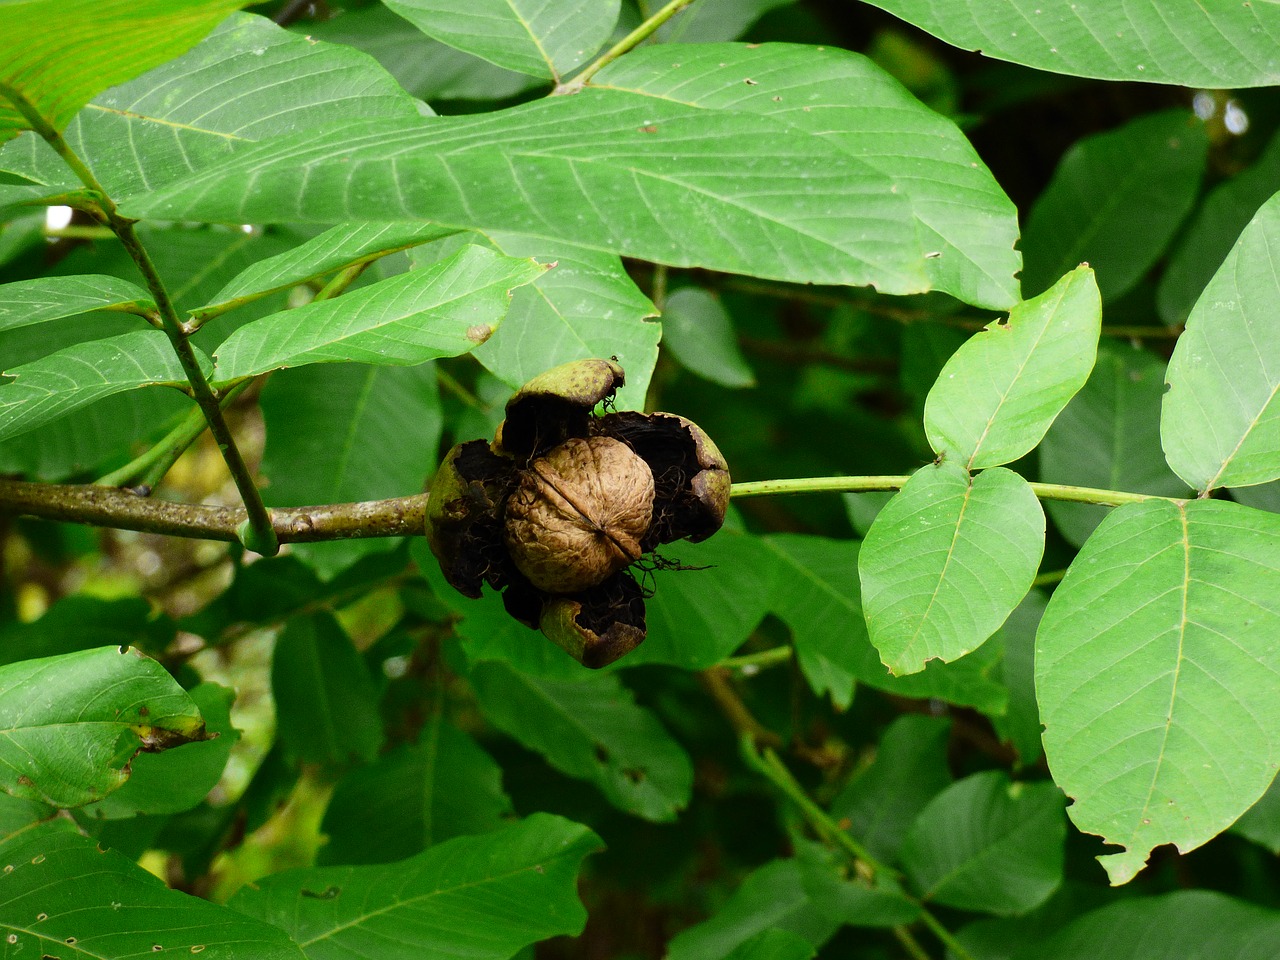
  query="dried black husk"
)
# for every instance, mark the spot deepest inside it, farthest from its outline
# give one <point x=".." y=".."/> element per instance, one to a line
<point x="467" y="510"/>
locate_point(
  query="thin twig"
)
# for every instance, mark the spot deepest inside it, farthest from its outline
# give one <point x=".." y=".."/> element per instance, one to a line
<point x="123" y="510"/>
<point x="625" y="45"/>
<point x="716" y="682"/>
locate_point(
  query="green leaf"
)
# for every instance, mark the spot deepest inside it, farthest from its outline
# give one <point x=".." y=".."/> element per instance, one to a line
<point x="362" y="432"/>
<point x="586" y="307"/>
<point x="946" y="561"/>
<point x="59" y="53"/>
<point x="1209" y="235"/>
<point x="909" y="770"/>
<point x="1261" y="822"/>
<point x="1218" y="46"/>
<point x="850" y="899"/>
<point x="18" y="816"/>
<point x="80" y="622"/>
<point x="178" y="779"/>
<point x="1146" y="172"/>
<point x="1020" y="723"/>
<point x="698" y="617"/>
<point x="1192" y="922"/>
<point x="591" y="728"/>
<point x="1109" y="437"/>
<point x="71" y="724"/>
<point x="1000" y="392"/>
<point x="987" y="844"/>
<point x="247" y="81"/>
<point x="438" y="311"/>
<point x="773" y="944"/>
<point x="69" y="379"/>
<point x="345" y="245"/>
<point x="712" y="21"/>
<point x="816" y="592"/>
<point x="1221" y="418"/>
<point x="1156" y="669"/>
<point x="326" y="702"/>
<point x="426" y="68"/>
<point x="663" y="179"/>
<point x="697" y="330"/>
<point x="413" y="797"/>
<point x="541" y="39"/>
<point x="52" y="298"/>
<point x="772" y="897"/>
<point x="67" y="897"/>
<point x="477" y="897"/>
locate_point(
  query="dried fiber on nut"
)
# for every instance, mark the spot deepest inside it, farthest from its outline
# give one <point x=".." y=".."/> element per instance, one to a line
<point x="557" y="509"/>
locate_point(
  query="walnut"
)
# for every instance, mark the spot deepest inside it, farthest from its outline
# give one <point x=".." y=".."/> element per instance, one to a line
<point x="578" y="514"/>
<point x="556" y="510"/>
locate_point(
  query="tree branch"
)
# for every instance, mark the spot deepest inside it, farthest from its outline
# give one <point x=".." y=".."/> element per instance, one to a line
<point x="122" y="510"/>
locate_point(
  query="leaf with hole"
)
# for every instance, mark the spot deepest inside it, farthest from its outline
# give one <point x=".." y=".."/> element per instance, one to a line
<point x="482" y="897"/>
<point x="71" y="724"/>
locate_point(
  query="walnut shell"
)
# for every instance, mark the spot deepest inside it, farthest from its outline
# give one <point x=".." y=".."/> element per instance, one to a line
<point x="579" y="513"/>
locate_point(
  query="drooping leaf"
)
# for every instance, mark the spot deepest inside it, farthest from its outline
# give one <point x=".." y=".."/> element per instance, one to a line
<point x="1109" y="437"/>
<point x="438" y="311"/>
<point x="698" y="332"/>
<point x="426" y="68"/>
<point x="326" y="702"/>
<point x="816" y="592"/>
<point x="946" y="561"/>
<point x="587" y="306"/>
<point x="1156" y="670"/>
<point x="713" y="21"/>
<point x="987" y="844"/>
<point x="52" y="298"/>
<point x="345" y="245"/>
<point x="248" y="80"/>
<point x="481" y="897"/>
<point x="1212" y="231"/>
<point x="1220" y="423"/>
<point x="72" y="723"/>
<point x="770" y="898"/>
<point x="362" y="432"/>
<point x="591" y="728"/>
<point x="1001" y="391"/>
<point x="541" y="39"/>
<point x="60" y="53"/>
<point x="413" y="797"/>
<point x="18" y="815"/>
<point x="664" y="179"/>
<point x="178" y="779"/>
<point x="1192" y="922"/>
<point x="1147" y="172"/>
<point x="72" y="378"/>
<point x="67" y="895"/>
<point x="909" y="770"/>
<point x="1182" y="42"/>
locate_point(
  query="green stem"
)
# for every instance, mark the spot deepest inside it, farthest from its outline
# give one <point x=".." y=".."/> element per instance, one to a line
<point x="1045" y="491"/>
<point x="259" y="535"/>
<point x="625" y="45"/>
<point x="77" y="232"/>
<point x="910" y="943"/>
<point x="754" y="662"/>
<point x="944" y="935"/>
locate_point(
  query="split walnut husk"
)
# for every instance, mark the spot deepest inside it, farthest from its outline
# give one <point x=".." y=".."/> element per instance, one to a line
<point x="555" y="512"/>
